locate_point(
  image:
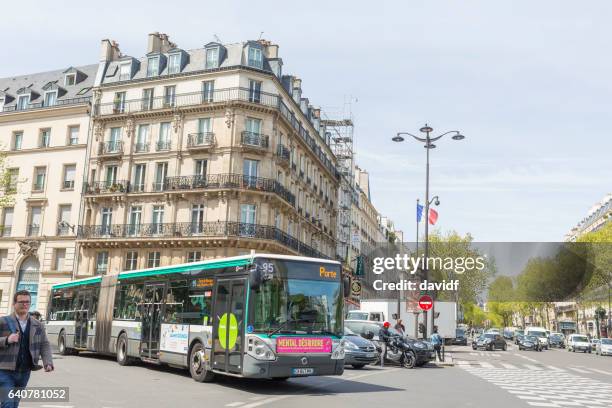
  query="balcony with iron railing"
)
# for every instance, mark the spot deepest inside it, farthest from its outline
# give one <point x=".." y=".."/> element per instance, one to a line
<point x="41" y="105"/>
<point x="33" y="230"/>
<point x="256" y="140"/>
<point x="141" y="147"/>
<point x="214" y="229"/>
<point x="219" y="96"/>
<point x="110" y="148"/>
<point x="200" y="140"/>
<point x="283" y="155"/>
<point x="63" y="230"/>
<point x="163" y="145"/>
<point x="68" y="185"/>
<point x="106" y="187"/>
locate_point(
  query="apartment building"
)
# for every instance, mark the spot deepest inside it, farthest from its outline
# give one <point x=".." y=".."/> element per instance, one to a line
<point x="203" y="153"/>
<point x="44" y="120"/>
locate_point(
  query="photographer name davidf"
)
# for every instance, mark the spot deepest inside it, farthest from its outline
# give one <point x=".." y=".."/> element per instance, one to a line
<point x="450" y="285"/>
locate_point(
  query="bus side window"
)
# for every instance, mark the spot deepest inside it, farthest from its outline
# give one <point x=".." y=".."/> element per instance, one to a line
<point x="176" y="298"/>
<point x="198" y="309"/>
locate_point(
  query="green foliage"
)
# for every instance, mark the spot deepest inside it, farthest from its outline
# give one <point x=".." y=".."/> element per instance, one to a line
<point x="7" y="195"/>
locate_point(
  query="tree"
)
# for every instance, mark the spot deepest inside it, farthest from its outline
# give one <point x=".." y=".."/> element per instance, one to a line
<point x="7" y="190"/>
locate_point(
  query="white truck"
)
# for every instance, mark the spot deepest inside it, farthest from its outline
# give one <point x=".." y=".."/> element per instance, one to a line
<point x="387" y="310"/>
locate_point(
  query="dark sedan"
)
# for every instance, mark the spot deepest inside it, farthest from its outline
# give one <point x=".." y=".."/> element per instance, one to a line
<point x="557" y="340"/>
<point x="529" y="343"/>
<point x="358" y="351"/>
<point x="490" y="341"/>
<point x="460" y="338"/>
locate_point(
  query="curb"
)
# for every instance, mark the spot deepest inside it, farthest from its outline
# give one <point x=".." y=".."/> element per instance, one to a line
<point x="449" y="361"/>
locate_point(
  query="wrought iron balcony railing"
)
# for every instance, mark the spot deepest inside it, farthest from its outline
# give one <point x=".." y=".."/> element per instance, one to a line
<point x="202" y="229"/>
<point x="33" y="230"/>
<point x="115" y="147"/>
<point x="40" y="105"/>
<point x="163" y="145"/>
<point x="105" y="187"/>
<point x="200" y="140"/>
<point x="254" y="140"/>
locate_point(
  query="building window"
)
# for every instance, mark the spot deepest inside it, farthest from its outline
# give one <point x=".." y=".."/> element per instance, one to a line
<point x="63" y="224"/>
<point x="125" y="71"/>
<point x="212" y="58"/>
<point x="153" y="66"/>
<point x="17" y="140"/>
<point x="161" y="172"/>
<point x="250" y="170"/>
<point x="50" y="98"/>
<point x="22" y="102"/>
<point x="147" y="99"/>
<point x="158" y="219"/>
<point x="102" y="263"/>
<point x="40" y="174"/>
<point x="197" y="218"/>
<point x="59" y="258"/>
<point x="73" y="135"/>
<point x="111" y="175"/>
<point x="139" y="177"/>
<point x="69" y="175"/>
<point x="169" y="95"/>
<point x="7" y="222"/>
<point x="4" y="260"/>
<point x="107" y="220"/>
<point x="119" y="102"/>
<point x="255" y="58"/>
<point x="153" y="261"/>
<point x="253" y="126"/>
<point x="69" y="79"/>
<point x="142" y="138"/>
<point x="200" y="168"/>
<point x="254" y="91"/>
<point x="135" y="218"/>
<point x="174" y="63"/>
<point x="208" y="91"/>
<point x="35" y="219"/>
<point x="12" y="179"/>
<point x="131" y="261"/>
<point x="45" y="138"/>
<point x="163" y="143"/>
<point x="247" y="220"/>
<point x="194" y="256"/>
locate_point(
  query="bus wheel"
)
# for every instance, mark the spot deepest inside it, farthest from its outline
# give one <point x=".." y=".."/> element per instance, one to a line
<point x="122" y="351"/>
<point x="197" y="364"/>
<point x="61" y="345"/>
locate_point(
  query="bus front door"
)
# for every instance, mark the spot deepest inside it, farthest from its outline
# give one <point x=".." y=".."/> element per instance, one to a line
<point x="151" y="319"/>
<point x="228" y="326"/>
<point x="82" y="318"/>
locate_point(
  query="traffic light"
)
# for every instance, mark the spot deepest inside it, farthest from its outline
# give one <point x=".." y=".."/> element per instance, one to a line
<point x="359" y="267"/>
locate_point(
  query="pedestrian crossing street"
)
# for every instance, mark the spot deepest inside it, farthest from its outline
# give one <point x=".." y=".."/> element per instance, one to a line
<point x="543" y="385"/>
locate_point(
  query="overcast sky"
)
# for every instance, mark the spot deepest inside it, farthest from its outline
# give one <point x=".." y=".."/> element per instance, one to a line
<point x="527" y="82"/>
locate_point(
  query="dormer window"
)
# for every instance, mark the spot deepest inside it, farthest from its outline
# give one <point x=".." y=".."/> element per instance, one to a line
<point x="174" y="63"/>
<point x="153" y="66"/>
<point x="255" y="58"/>
<point x="23" y="101"/>
<point x="125" y="71"/>
<point x="1" y="104"/>
<point x="70" y="79"/>
<point x="212" y="58"/>
<point x="50" y="98"/>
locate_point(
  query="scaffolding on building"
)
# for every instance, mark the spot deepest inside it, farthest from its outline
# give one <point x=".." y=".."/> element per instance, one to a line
<point x="339" y="133"/>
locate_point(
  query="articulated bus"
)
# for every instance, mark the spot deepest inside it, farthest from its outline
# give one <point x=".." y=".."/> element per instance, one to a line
<point x="256" y="316"/>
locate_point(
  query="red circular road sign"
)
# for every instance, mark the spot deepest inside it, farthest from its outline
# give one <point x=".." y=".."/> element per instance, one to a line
<point x="425" y="302"/>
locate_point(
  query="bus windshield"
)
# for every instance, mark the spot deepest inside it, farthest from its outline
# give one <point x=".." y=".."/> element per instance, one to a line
<point x="285" y="304"/>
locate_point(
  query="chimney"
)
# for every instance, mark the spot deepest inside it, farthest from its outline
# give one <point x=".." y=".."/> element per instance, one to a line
<point x="110" y="51"/>
<point x="166" y="44"/>
<point x="272" y="51"/>
<point x="297" y="90"/>
<point x="154" y="43"/>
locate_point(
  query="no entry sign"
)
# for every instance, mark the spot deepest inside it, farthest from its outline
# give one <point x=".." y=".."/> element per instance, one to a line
<point x="425" y="302"/>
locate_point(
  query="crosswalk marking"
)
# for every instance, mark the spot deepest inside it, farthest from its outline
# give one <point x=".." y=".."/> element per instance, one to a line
<point x="554" y="368"/>
<point x="601" y="371"/>
<point x="486" y="365"/>
<point x="579" y="370"/>
<point x="510" y="366"/>
<point x="532" y="367"/>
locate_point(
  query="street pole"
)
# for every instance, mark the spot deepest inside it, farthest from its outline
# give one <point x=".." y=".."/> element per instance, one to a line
<point x="426" y="269"/>
<point x="415" y="311"/>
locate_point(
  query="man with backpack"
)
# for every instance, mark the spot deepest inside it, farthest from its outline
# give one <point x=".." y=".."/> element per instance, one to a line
<point x="436" y="340"/>
<point x="23" y="341"/>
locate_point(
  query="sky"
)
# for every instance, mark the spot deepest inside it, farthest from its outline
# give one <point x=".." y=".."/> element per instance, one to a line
<point x="527" y="83"/>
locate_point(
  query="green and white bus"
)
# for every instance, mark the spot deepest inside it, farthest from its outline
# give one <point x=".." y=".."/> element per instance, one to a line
<point x="256" y="316"/>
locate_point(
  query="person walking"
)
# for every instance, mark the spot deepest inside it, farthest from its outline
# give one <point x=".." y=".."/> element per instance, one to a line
<point x="23" y="341"/>
<point x="399" y="326"/>
<point x="436" y="340"/>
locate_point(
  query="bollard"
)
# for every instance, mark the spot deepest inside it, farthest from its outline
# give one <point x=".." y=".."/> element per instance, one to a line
<point x="443" y="350"/>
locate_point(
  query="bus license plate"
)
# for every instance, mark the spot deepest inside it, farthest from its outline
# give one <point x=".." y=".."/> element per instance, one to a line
<point x="302" y="371"/>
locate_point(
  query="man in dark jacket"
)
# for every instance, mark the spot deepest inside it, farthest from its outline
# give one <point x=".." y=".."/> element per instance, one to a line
<point x="23" y="341"/>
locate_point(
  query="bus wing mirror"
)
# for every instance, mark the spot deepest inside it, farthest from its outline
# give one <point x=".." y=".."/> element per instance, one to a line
<point x="255" y="278"/>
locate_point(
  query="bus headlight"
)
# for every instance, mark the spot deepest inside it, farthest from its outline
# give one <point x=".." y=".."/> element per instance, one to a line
<point x="259" y="349"/>
<point x="338" y="350"/>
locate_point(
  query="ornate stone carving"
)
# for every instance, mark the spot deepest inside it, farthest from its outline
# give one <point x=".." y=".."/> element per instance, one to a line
<point x="98" y="132"/>
<point x="229" y="118"/>
<point x="177" y="122"/>
<point x="129" y="127"/>
<point x="28" y="247"/>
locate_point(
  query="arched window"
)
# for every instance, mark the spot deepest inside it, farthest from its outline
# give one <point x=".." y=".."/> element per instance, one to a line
<point x="29" y="273"/>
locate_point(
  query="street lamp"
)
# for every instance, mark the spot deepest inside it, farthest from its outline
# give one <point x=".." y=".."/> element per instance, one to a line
<point x="428" y="142"/>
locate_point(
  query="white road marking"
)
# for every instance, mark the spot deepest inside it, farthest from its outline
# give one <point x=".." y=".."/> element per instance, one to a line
<point x="510" y="366"/>
<point x="234" y="404"/>
<point x="486" y="365"/>
<point x="554" y="368"/>
<point x="600" y="371"/>
<point x="532" y="367"/>
<point x="578" y="370"/>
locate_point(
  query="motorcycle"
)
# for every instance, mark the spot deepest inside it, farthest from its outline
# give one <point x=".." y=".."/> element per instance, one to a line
<point x="399" y="352"/>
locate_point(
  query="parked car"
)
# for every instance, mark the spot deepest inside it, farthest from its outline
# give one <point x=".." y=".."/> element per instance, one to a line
<point x="460" y="338"/>
<point x="359" y="351"/>
<point x="490" y="341"/>
<point x="557" y="340"/>
<point x="578" y="342"/>
<point x="604" y="348"/>
<point x="517" y="334"/>
<point x="594" y="342"/>
<point x="529" y="343"/>
<point x="540" y="332"/>
<point x="365" y="315"/>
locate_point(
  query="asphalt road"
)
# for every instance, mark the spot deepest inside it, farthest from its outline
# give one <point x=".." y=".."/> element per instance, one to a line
<point x="512" y="378"/>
